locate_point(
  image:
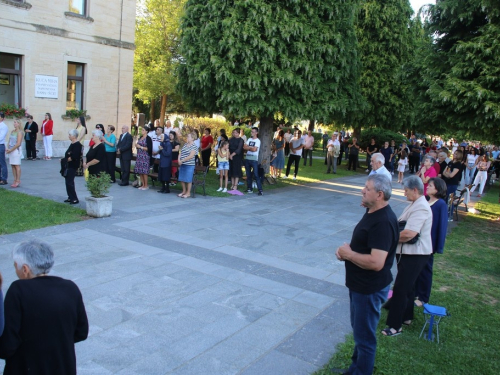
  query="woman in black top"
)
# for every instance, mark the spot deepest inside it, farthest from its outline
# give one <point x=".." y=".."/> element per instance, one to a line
<point x="96" y="157"/>
<point x="235" y="158"/>
<point x="73" y="156"/>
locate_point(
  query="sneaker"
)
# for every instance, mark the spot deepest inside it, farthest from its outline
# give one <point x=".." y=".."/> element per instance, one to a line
<point x="367" y="171"/>
<point x="294" y="177"/>
<point x="260" y="193"/>
<point x="219" y="189"/>
<point x="285" y="176"/>
<point x="224" y="190"/>
<point x="249" y="191"/>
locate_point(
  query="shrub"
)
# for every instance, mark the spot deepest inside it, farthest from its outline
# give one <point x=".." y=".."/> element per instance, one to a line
<point x="381" y="136"/>
<point x="98" y="186"/>
<point x="13" y="111"/>
<point x="75" y="113"/>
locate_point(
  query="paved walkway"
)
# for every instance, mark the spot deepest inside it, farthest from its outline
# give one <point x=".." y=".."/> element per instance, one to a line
<point x="242" y="285"/>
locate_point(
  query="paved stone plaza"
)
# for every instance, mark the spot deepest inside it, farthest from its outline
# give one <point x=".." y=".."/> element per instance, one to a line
<point x="238" y="285"/>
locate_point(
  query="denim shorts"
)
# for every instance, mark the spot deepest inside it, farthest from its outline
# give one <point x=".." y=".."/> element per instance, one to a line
<point x="223" y="165"/>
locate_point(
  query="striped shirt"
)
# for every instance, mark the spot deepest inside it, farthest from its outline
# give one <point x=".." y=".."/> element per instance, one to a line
<point x="186" y="150"/>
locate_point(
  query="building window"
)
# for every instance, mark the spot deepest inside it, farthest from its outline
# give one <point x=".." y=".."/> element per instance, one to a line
<point x="78" y="7"/>
<point x="76" y="76"/>
<point x="10" y="79"/>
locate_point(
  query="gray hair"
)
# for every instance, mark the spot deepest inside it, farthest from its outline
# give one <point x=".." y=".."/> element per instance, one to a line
<point x="414" y="182"/>
<point x="443" y="154"/>
<point x="97" y="133"/>
<point x="430" y="158"/>
<point x="73" y="133"/>
<point x="37" y="255"/>
<point x="379" y="157"/>
<point x="381" y="183"/>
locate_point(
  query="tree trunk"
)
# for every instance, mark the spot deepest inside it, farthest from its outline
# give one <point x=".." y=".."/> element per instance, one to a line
<point x="266" y="137"/>
<point x="163" y="108"/>
<point x="152" y="111"/>
<point x="357" y="133"/>
<point x="311" y="125"/>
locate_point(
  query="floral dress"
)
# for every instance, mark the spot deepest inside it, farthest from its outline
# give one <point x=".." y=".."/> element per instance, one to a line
<point x="142" y="162"/>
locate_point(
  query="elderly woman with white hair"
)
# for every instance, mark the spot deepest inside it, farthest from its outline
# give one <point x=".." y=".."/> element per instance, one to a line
<point x="412" y="254"/>
<point x="96" y="156"/>
<point x="72" y="158"/>
<point x="44" y="316"/>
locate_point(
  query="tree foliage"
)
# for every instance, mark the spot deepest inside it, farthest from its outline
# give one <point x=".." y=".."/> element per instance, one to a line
<point x="460" y="69"/>
<point x="386" y="44"/>
<point x="157" y="48"/>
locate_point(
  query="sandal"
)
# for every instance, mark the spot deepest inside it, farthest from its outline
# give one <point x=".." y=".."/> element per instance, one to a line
<point x="418" y="303"/>
<point x="407" y="322"/>
<point x="180" y="195"/>
<point x="185" y="196"/>
<point x="388" y="332"/>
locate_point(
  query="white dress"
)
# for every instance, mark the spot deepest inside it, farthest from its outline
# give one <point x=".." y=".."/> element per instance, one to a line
<point x="402" y="164"/>
<point x="14" y="156"/>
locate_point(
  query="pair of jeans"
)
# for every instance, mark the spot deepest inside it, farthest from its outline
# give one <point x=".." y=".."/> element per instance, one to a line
<point x="469" y="175"/>
<point x="450" y="189"/>
<point x="306" y="152"/>
<point x="293" y="159"/>
<point x="368" y="162"/>
<point x="403" y="296"/>
<point x="4" y="173"/>
<point x="252" y="170"/>
<point x="365" y="314"/>
<point x="331" y="162"/>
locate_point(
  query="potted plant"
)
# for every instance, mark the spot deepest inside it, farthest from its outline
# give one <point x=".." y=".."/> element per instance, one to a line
<point x="98" y="204"/>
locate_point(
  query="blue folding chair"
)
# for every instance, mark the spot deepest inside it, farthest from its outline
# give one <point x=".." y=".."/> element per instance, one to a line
<point x="433" y="315"/>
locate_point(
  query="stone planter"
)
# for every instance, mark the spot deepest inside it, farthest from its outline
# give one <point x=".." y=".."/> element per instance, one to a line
<point x="99" y="207"/>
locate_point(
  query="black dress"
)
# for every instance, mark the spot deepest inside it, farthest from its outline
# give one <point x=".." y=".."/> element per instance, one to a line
<point x="97" y="152"/>
<point x="236" y="146"/>
<point x="44" y="318"/>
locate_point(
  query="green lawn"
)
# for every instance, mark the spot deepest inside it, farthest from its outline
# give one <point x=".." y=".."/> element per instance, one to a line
<point x="21" y="212"/>
<point x="306" y="175"/>
<point x="467" y="283"/>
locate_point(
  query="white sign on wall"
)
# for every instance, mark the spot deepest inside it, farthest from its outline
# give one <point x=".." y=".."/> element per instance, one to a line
<point x="46" y="87"/>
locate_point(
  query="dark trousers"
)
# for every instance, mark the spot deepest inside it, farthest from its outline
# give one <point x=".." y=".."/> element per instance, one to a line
<point x="252" y="170"/>
<point x="365" y="314"/>
<point x="423" y="285"/>
<point x="414" y="162"/>
<point x="353" y="162"/>
<point x="205" y="157"/>
<point x="70" y="184"/>
<point x="125" y="167"/>
<point x="110" y="164"/>
<point x="368" y="162"/>
<point x="31" y="148"/>
<point x="287" y="149"/>
<point x="403" y="296"/>
<point x="306" y="152"/>
<point x="293" y="159"/>
<point x="339" y="161"/>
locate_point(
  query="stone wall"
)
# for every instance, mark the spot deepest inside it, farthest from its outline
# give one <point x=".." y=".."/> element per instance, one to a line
<point x="48" y="37"/>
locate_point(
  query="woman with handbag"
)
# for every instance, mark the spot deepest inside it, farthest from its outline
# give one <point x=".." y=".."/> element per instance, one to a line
<point x="73" y="156"/>
<point x="412" y="255"/>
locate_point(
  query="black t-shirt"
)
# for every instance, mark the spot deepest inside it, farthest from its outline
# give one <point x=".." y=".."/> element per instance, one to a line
<point x="378" y="230"/>
<point x="372" y="148"/>
<point x="442" y="167"/>
<point x="455" y="180"/>
<point x="415" y="150"/>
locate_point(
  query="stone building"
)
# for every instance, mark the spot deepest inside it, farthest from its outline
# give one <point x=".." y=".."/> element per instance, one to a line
<point x="68" y="54"/>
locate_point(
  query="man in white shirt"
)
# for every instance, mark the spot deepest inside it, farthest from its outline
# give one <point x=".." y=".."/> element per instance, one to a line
<point x="3" y="138"/>
<point x="333" y="151"/>
<point x="377" y="163"/>
<point x="156" y="137"/>
<point x="308" y="148"/>
<point x="252" y="146"/>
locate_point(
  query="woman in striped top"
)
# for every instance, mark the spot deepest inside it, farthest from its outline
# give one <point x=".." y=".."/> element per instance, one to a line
<point x="186" y="165"/>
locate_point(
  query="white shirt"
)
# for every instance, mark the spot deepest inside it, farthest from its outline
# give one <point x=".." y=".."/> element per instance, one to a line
<point x="167" y="130"/>
<point x="4" y="129"/>
<point x="383" y="171"/>
<point x="253" y="142"/>
<point x="156" y="144"/>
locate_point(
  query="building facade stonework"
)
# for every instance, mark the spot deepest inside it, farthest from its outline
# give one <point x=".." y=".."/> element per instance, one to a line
<point x="68" y="54"/>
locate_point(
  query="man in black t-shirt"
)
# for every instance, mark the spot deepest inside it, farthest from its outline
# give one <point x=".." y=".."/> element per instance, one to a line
<point x="368" y="261"/>
<point x="370" y="150"/>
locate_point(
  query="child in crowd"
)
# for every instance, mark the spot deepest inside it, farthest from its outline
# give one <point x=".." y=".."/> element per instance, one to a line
<point x="222" y="158"/>
<point x="274" y="153"/>
<point x="403" y="161"/>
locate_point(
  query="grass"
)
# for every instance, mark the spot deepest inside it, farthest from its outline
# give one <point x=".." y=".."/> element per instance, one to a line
<point x="306" y="175"/>
<point x="21" y="212"/>
<point x="467" y="282"/>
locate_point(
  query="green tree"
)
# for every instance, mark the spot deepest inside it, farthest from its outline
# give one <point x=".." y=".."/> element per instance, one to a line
<point x="386" y="40"/>
<point x="257" y="58"/>
<point x="460" y="69"/>
<point x="157" y="50"/>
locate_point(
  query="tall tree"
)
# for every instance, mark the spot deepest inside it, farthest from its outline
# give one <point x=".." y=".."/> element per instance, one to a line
<point x="460" y="72"/>
<point x="157" y="50"/>
<point x="385" y="38"/>
<point x="258" y="57"/>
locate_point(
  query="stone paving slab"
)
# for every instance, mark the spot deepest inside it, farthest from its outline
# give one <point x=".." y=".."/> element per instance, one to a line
<point x="241" y="285"/>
